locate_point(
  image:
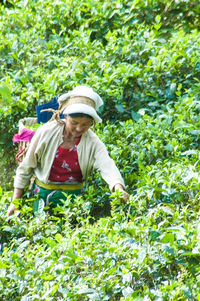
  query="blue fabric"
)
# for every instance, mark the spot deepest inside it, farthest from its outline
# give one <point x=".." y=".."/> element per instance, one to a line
<point x="43" y="117"/>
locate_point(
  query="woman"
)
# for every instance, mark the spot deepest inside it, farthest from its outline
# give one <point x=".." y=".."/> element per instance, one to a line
<point x="63" y="153"/>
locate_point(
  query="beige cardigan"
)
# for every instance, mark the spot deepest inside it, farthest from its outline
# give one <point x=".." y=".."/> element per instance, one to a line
<point x="92" y="155"/>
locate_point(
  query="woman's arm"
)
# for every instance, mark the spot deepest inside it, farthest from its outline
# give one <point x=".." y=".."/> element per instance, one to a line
<point x="18" y="192"/>
<point x="109" y="171"/>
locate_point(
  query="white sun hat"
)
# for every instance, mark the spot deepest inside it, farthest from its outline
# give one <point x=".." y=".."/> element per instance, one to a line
<point x="81" y="99"/>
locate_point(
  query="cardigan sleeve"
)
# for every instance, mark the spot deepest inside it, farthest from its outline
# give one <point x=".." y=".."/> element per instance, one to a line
<point x="103" y="163"/>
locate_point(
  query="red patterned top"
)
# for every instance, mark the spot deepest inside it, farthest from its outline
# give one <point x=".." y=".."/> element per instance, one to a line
<point x="65" y="167"/>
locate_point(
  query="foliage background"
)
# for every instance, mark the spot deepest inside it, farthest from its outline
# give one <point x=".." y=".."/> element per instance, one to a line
<point x="142" y="57"/>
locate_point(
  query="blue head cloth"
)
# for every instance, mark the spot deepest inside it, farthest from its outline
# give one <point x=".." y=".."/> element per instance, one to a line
<point x="43" y="117"/>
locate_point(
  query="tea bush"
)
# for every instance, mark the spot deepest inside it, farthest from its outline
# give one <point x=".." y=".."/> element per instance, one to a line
<point x="142" y="57"/>
<point x="144" y="250"/>
<point x="136" y="55"/>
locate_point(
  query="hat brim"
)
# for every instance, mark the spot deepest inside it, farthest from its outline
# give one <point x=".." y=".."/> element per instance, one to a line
<point x="82" y="108"/>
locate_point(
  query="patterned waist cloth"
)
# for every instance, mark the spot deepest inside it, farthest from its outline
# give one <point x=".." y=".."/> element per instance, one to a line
<point x="52" y="194"/>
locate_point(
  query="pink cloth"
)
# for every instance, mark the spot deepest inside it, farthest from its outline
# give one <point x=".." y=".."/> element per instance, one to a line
<point x="25" y="135"/>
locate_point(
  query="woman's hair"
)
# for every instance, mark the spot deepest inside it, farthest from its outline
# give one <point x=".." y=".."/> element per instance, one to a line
<point x="74" y="115"/>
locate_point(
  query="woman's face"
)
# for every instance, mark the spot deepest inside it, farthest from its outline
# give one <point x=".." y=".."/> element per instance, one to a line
<point x="77" y="126"/>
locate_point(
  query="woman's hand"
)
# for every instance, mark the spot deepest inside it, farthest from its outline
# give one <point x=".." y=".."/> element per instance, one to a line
<point x="18" y="192"/>
<point x="11" y="209"/>
<point x="125" y="195"/>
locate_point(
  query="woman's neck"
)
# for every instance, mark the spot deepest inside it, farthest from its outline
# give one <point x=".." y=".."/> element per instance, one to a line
<point x="67" y="136"/>
<point x="68" y="140"/>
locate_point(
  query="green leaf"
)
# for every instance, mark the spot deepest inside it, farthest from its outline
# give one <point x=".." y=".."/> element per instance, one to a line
<point x="168" y="238"/>
<point x="135" y="116"/>
<point x="85" y="291"/>
<point x="141" y="255"/>
<point x="189" y="152"/>
<point x="38" y="206"/>
<point x="127" y="291"/>
<point x="8" y="229"/>
<point x="2" y="273"/>
<point x="24" y="245"/>
<point x="127" y="278"/>
<point x="169" y="250"/>
<point x="119" y="108"/>
<point x="58" y="237"/>
<point x="5" y="93"/>
<point x="47" y="277"/>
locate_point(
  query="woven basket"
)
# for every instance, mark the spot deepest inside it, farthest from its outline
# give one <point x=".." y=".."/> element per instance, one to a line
<point x="23" y="145"/>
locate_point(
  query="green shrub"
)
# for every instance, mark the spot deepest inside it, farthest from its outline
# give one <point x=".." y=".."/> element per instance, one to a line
<point x="142" y="58"/>
<point x="147" y="248"/>
<point x="139" y="55"/>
